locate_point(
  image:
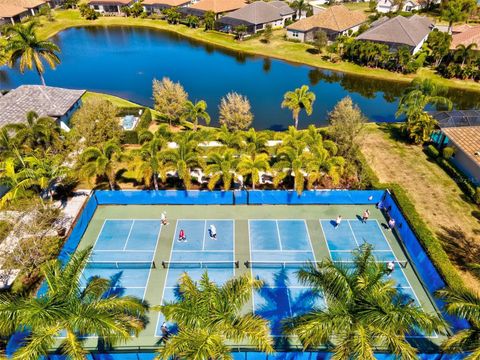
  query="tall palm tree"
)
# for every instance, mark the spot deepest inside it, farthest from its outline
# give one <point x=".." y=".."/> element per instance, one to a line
<point x="221" y="166"/>
<point x="102" y="161"/>
<point x="25" y="47"/>
<point x="230" y="139"/>
<point x="463" y="303"/>
<point x="292" y="161"/>
<point x="419" y="123"/>
<point x="465" y="53"/>
<point x="196" y="111"/>
<point x="184" y="157"/>
<point x="250" y="165"/>
<point x="255" y="142"/>
<point x="45" y="172"/>
<point x="14" y="176"/>
<point x="208" y="316"/>
<point x="71" y="309"/>
<point x="297" y="100"/>
<point x="323" y="163"/>
<point x="299" y="6"/>
<point x="364" y="311"/>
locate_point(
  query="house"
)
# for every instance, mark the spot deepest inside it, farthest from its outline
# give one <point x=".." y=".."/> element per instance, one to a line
<point x="399" y="32"/>
<point x="57" y="103"/>
<point x="11" y="14"/>
<point x="335" y="20"/>
<point x="460" y="129"/>
<point x="386" y="6"/>
<point x="257" y="15"/>
<point x="156" y="6"/>
<point x="219" y="7"/>
<point x="109" y="6"/>
<point x="466" y="35"/>
<point x="32" y="6"/>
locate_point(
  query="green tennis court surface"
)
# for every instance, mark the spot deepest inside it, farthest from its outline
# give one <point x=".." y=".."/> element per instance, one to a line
<point x="145" y="259"/>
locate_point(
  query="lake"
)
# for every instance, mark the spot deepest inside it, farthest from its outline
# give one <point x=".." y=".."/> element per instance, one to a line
<point x="123" y="61"/>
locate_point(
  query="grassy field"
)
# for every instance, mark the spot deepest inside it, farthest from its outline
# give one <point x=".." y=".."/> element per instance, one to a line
<point x="277" y="48"/>
<point x="118" y="102"/>
<point x="436" y="196"/>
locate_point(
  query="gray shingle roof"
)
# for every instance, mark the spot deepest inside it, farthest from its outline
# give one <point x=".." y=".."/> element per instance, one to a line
<point x="44" y="100"/>
<point x="259" y="12"/>
<point x="399" y="30"/>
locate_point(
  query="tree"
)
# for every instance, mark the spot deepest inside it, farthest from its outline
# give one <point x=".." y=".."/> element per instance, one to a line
<point x="208" y="316"/>
<point x="192" y="21"/>
<point x="172" y="14"/>
<point x="439" y="44"/>
<point x="70" y="309"/>
<point x="221" y="166"/>
<point x="465" y="53"/>
<point x="256" y="142"/>
<point x="419" y="123"/>
<point x="230" y="139"/>
<point x="235" y="112"/>
<point x="346" y="124"/>
<point x="87" y="12"/>
<point x="324" y="163"/>
<point x="45" y="173"/>
<point x="320" y="40"/>
<point x="267" y="34"/>
<point x="240" y="31"/>
<point x="299" y="6"/>
<point x="15" y="178"/>
<point x="458" y="10"/>
<point x="365" y="311"/>
<point x="194" y="112"/>
<point x="209" y="20"/>
<point x="25" y="48"/>
<point x="136" y="9"/>
<point x="96" y="121"/>
<point x="252" y="166"/>
<point x="465" y="304"/>
<point x="297" y="100"/>
<point x="102" y="161"/>
<point x="292" y="161"/>
<point x="170" y="99"/>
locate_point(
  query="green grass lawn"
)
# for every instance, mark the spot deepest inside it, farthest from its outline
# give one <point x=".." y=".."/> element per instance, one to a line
<point x="118" y="102"/>
<point x="277" y="48"/>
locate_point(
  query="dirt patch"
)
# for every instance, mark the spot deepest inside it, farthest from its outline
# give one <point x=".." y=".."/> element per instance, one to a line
<point x="436" y="196"/>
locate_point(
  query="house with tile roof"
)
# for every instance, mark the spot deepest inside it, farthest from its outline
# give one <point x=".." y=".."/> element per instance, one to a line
<point x="335" y="20"/>
<point x="460" y="129"/>
<point x="57" y="103"/>
<point x="399" y="32"/>
<point x="11" y="14"/>
<point x="465" y="35"/>
<point x="257" y="15"/>
<point x="218" y="7"/>
<point x="109" y="6"/>
<point x="156" y="6"/>
<point x="33" y="6"/>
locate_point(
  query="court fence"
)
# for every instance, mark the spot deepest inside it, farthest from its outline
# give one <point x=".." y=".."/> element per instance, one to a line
<point x="417" y="253"/>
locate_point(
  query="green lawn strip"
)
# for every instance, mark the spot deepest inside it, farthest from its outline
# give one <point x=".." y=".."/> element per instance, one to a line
<point x="119" y="102"/>
<point x="278" y="47"/>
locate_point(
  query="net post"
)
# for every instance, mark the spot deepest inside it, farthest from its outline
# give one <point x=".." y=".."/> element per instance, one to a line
<point x="237" y="264"/>
<point x="164" y="265"/>
<point x="247" y="264"/>
<point x="154" y="266"/>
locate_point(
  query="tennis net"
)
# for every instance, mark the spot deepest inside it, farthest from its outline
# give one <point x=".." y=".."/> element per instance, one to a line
<point x="277" y="264"/>
<point x="121" y="265"/>
<point x="200" y="264"/>
<point x="402" y="263"/>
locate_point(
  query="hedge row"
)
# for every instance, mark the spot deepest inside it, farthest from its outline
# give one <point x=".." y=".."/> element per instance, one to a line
<point x="131" y="136"/>
<point x="469" y="188"/>
<point x="431" y="244"/>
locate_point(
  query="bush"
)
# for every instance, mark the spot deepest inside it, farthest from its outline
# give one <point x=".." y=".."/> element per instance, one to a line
<point x="5" y="228"/>
<point x="448" y="152"/>
<point x="145" y="120"/>
<point x="432" y="151"/>
<point x="130" y="137"/>
<point x="463" y="183"/>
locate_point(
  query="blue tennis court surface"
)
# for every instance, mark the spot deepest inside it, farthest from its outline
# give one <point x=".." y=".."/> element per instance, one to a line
<point x="278" y="249"/>
<point x="123" y="253"/>
<point x="198" y="253"/>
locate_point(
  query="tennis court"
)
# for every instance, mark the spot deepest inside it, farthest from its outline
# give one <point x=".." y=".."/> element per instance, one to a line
<point x="123" y="252"/>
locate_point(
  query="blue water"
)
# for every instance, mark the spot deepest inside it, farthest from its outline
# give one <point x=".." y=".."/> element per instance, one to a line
<point x="124" y="61"/>
<point x="128" y="122"/>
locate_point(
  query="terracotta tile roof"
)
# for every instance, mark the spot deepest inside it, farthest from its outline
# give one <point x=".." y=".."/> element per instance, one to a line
<point x="337" y="18"/>
<point x="110" y="2"/>
<point x="467" y="138"/>
<point x="399" y="30"/>
<point x="8" y="11"/>
<point x="166" y="2"/>
<point x="28" y="4"/>
<point x="218" y="6"/>
<point x="44" y="100"/>
<point x="469" y="35"/>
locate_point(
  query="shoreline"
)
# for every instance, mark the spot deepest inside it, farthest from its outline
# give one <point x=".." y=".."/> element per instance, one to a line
<point x="67" y="19"/>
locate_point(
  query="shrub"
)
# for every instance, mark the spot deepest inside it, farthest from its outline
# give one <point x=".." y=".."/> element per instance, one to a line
<point x="5" y="228"/>
<point x="448" y="152"/>
<point x="432" y="151"/>
<point x="130" y="137"/>
<point x="463" y="183"/>
<point x="145" y="120"/>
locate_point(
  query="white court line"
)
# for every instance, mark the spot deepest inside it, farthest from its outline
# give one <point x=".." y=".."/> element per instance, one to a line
<point x="354" y="237"/>
<point x="128" y="236"/>
<point x="98" y="235"/>
<point x="352" y="250"/>
<point x="129" y="219"/>
<point x="279" y="238"/>
<point x="285" y="251"/>
<point x="166" y="277"/>
<point x="205" y="251"/>
<point x="153" y="258"/>
<point x="233" y="239"/>
<point x="125" y="251"/>
<point x="251" y="268"/>
<point x="204" y="233"/>
<point x="326" y="240"/>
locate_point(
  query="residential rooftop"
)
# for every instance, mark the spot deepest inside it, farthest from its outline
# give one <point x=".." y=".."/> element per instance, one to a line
<point x="466" y="35"/>
<point x="27" y="4"/>
<point x="258" y="12"/>
<point x="218" y="6"/>
<point x="466" y="138"/>
<point x="8" y="11"/>
<point x="457" y="118"/>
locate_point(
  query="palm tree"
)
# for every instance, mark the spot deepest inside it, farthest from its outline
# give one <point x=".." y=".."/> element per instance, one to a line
<point x="192" y="21"/>
<point x="195" y="111"/>
<point x="292" y="161"/>
<point x="256" y="142"/>
<point x="419" y="123"/>
<point x="300" y="98"/>
<point x="15" y="178"/>
<point x="465" y="53"/>
<point x="323" y="163"/>
<point x="465" y="304"/>
<point x="45" y="172"/>
<point x="221" y="166"/>
<point x="24" y="47"/>
<point x="208" y="316"/>
<point x="150" y="164"/>
<point x="209" y="20"/>
<point x="102" y="161"/>
<point x="71" y="310"/>
<point x="230" y="139"/>
<point x="364" y="311"/>
<point x="299" y="6"/>
<point x="250" y="165"/>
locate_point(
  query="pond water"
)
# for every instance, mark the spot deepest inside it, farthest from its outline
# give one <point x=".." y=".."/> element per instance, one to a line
<point x="123" y="61"/>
